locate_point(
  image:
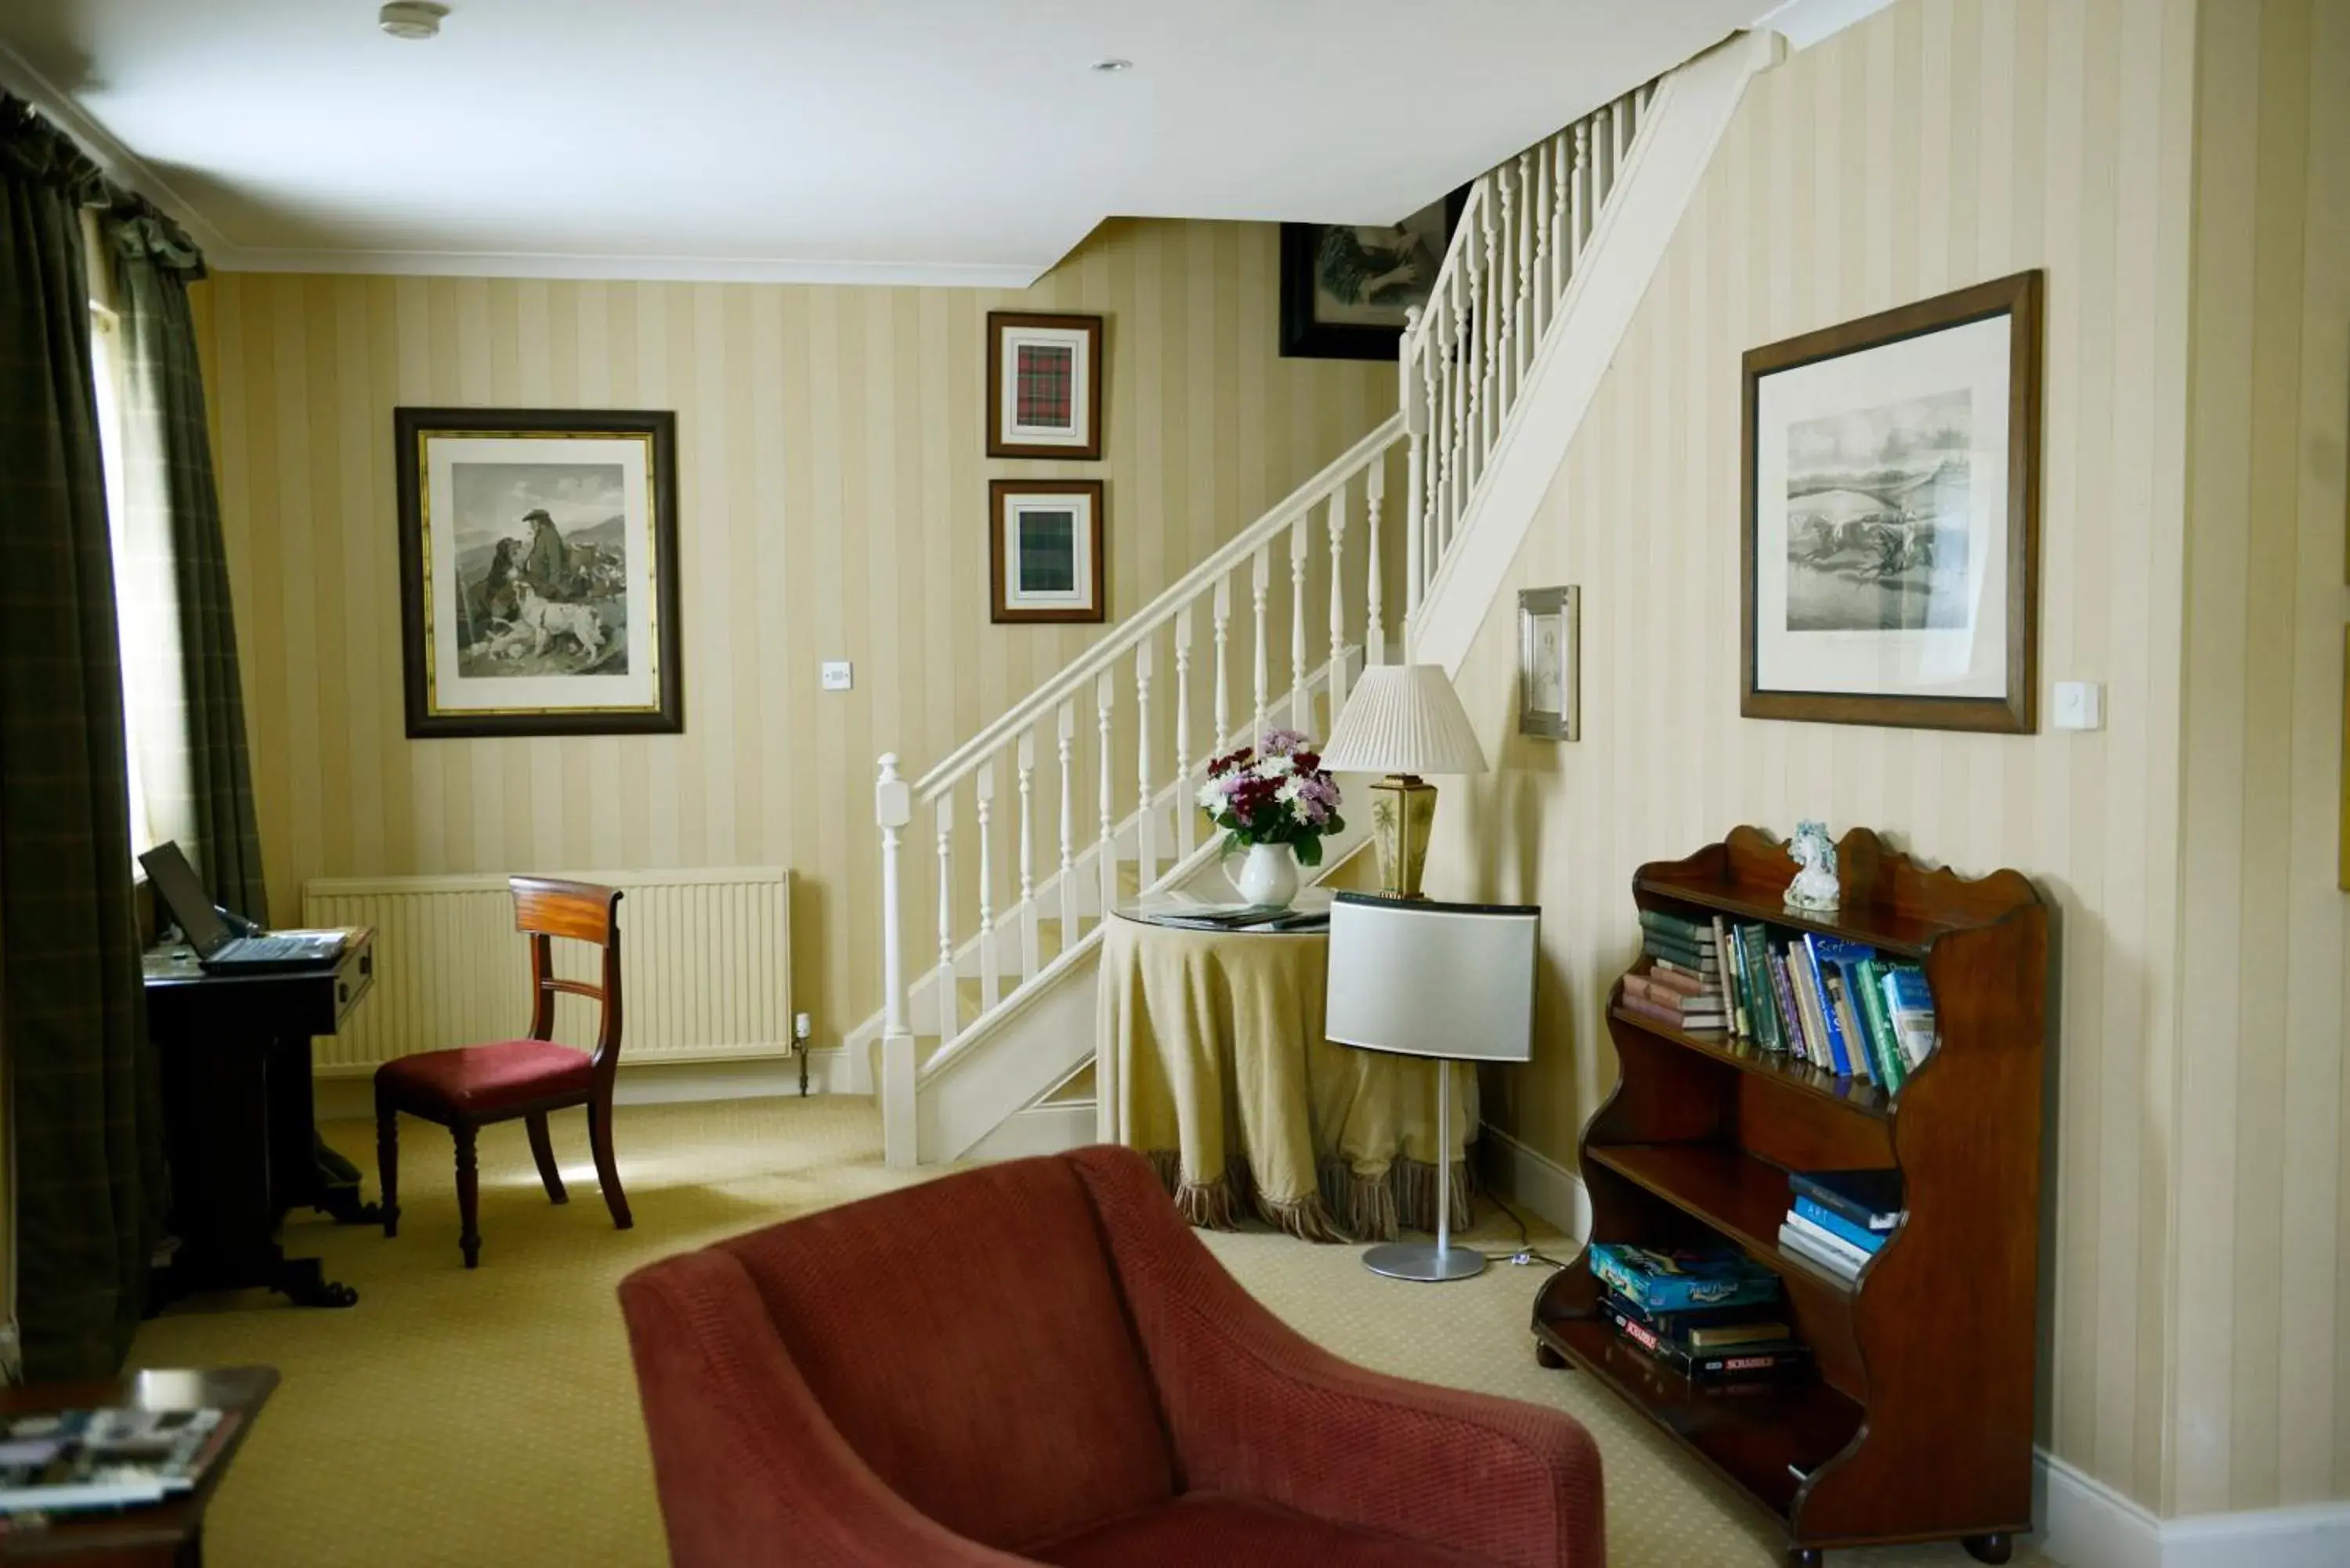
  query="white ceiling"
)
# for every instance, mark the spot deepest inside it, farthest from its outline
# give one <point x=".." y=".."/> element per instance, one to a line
<point x="908" y="139"/>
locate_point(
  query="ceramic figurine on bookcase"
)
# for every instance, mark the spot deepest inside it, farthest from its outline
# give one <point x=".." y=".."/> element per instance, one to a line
<point x="1815" y="886"/>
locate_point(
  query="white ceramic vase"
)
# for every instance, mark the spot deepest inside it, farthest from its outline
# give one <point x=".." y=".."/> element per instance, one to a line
<point x="1268" y="875"/>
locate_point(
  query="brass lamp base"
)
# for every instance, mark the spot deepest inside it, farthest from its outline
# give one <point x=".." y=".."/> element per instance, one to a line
<point x="1403" y="807"/>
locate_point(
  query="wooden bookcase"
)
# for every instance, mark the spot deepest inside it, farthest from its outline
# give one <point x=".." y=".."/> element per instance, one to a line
<point x="1917" y="1425"/>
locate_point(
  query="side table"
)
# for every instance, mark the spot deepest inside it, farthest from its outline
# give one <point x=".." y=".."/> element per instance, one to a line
<point x="167" y="1534"/>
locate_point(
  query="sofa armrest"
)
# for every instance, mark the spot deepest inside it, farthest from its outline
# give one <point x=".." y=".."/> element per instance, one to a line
<point x="1253" y="1407"/>
<point x="752" y="1473"/>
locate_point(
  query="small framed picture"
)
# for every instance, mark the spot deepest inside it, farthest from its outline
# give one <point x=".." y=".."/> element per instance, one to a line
<point x="1549" y="628"/>
<point x="1044" y="385"/>
<point x="1046" y="550"/>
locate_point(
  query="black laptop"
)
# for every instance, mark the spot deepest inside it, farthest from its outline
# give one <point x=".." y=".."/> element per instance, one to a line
<point x="217" y="947"/>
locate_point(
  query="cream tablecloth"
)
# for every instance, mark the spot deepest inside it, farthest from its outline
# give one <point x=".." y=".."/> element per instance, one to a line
<point x="1215" y="1067"/>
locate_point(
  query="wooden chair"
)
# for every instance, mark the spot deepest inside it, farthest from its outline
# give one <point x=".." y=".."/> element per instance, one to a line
<point x="467" y="1087"/>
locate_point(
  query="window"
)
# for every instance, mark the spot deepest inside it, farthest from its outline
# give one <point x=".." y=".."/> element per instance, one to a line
<point x="106" y="359"/>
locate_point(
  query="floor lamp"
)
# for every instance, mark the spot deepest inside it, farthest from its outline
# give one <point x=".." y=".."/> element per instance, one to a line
<point x="1452" y="981"/>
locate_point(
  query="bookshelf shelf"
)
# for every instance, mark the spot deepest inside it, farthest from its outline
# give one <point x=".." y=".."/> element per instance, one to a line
<point x="1918" y="1425"/>
<point x="1853" y="1093"/>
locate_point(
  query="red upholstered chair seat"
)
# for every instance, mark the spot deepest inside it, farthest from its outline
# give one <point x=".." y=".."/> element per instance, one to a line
<point x="481" y="1080"/>
<point x="1229" y="1530"/>
<point x="1039" y="1361"/>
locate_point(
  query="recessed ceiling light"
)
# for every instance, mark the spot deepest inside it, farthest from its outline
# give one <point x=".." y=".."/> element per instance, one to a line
<point x="414" y="20"/>
<point x="1112" y="66"/>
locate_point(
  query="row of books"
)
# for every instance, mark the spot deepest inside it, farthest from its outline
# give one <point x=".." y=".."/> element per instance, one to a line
<point x="70" y="1461"/>
<point x="1828" y="1001"/>
<point x="1841" y="1218"/>
<point x="1710" y="1314"/>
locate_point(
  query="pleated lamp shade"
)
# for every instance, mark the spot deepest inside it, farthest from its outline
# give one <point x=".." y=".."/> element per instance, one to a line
<point x="1404" y="719"/>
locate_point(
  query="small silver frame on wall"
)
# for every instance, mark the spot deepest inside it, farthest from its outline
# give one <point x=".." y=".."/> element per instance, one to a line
<point x="1550" y="663"/>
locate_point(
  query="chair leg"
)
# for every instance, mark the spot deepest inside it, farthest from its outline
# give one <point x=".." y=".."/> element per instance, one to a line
<point x="608" y="1174"/>
<point x="386" y="1161"/>
<point x="468" y="1196"/>
<point x="543" y="1151"/>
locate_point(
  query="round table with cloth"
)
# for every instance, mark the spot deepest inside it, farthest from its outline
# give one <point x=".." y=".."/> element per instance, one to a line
<point x="1213" y="1065"/>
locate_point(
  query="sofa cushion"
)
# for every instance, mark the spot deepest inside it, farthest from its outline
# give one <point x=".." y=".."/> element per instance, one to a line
<point x="1226" y="1530"/>
<point x="967" y="1340"/>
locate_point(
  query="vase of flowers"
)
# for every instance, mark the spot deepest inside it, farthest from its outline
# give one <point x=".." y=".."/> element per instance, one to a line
<point x="1273" y="801"/>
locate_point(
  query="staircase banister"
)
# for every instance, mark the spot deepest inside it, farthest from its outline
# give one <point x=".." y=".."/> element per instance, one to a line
<point x="1031" y="708"/>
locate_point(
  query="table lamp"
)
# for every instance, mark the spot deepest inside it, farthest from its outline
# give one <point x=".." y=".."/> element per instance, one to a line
<point x="1403" y="720"/>
<point x="1452" y="981"/>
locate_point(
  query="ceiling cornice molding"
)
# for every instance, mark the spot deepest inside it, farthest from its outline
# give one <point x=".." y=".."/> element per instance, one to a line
<point x="121" y="165"/>
<point x="557" y="264"/>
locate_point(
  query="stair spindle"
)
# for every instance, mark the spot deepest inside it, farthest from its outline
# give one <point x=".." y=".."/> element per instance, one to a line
<point x="1374" y="629"/>
<point x="1336" y="676"/>
<point x="1580" y="226"/>
<point x="1186" y="815"/>
<point x="1065" y="732"/>
<point x="990" y="985"/>
<point x="1490" y="320"/>
<point x="1506" y="278"/>
<point x="1298" y="715"/>
<point x="1146" y="830"/>
<point x="1260" y="579"/>
<point x="1104" y="693"/>
<point x="1222" y="715"/>
<point x="950" y="1002"/>
<point x="1522" y="296"/>
<point x="1026" y="759"/>
<point x="1539" y="219"/>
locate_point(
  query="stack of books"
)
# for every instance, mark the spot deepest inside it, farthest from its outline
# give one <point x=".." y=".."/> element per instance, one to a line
<point x="1841" y="1218"/>
<point x="1681" y="985"/>
<point x="1834" y="1003"/>
<point x="1710" y="1314"/>
<point x="69" y="1461"/>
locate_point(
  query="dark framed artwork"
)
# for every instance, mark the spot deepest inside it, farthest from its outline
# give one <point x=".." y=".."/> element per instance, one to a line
<point x="1045" y="550"/>
<point x="538" y="571"/>
<point x="1044" y="386"/>
<point x="1891" y="501"/>
<point x="1344" y="287"/>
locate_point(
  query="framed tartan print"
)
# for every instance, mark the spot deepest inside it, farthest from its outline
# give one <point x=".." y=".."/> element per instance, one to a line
<point x="1044" y="386"/>
<point x="1045" y="551"/>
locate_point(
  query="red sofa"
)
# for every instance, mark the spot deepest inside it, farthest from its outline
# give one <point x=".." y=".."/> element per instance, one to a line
<point x="1038" y="1362"/>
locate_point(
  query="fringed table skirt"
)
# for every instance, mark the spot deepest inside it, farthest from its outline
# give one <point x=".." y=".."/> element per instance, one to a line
<point x="1213" y="1065"/>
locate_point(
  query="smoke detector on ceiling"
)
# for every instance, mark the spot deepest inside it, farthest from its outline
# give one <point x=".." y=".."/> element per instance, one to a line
<point x="414" y="20"/>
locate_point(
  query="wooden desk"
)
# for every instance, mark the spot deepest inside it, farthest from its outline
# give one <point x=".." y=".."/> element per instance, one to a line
<point x="240" y="1125"/>
<point x="168" y="1534"/>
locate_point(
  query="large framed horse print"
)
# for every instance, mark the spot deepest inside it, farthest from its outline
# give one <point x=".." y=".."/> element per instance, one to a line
<point x="538" y="571"/>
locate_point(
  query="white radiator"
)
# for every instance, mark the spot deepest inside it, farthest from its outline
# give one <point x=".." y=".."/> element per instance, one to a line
<point x="705" y="969"/>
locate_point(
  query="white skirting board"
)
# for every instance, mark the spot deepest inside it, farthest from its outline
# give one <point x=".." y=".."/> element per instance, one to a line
<point x="649" y="1083"/>
<point x="1535" y="1181"/>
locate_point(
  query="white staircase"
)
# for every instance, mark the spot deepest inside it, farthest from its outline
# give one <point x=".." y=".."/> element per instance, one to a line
<point x="996" y="1015"/>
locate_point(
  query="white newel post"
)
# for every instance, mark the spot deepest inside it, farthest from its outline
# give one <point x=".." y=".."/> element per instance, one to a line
<point x="893" y="808"/>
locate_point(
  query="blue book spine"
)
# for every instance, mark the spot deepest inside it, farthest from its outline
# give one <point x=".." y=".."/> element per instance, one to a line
<point x="1827" y="1219"/>
<point x="1838" y="1059"/>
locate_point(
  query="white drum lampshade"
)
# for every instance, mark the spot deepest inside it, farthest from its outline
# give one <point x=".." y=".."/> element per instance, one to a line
<point x="1454" y="982"/>
<point x="1403" y="721"/>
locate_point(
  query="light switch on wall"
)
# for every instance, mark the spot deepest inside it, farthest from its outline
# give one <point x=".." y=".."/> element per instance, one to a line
<point x="836" y="675"/>
<point x="2080" y="705"/>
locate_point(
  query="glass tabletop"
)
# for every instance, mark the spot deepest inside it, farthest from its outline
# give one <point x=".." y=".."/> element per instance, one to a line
<point x="1309" y="914"/>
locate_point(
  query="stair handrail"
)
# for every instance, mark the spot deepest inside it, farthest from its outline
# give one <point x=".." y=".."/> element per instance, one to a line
<point x="1191" y="585"/>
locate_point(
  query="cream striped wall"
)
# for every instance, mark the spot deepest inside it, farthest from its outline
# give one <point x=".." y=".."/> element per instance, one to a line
<point x="833" y="501"/>
<point x="2261" y="1382"/>
<point x="1937" y="143"/>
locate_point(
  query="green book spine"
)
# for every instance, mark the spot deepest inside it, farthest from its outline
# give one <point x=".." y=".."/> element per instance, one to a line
<point x="1752" y="942"/>
<point x="1892" y="1070"/>
<point x="1692" y="931"/>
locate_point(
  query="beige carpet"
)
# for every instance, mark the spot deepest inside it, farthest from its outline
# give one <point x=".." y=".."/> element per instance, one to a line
<point x="491" y="1418"/>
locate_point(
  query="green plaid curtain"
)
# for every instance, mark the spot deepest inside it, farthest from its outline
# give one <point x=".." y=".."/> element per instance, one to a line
<point x="174" y="540"/>
<point x="83" y="1091"/>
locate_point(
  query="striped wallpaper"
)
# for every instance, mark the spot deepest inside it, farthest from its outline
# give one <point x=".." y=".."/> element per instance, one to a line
<point x="1936" y="144"/>
<point x="2261" y="1382"/>
<point x="832" y="502"/>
